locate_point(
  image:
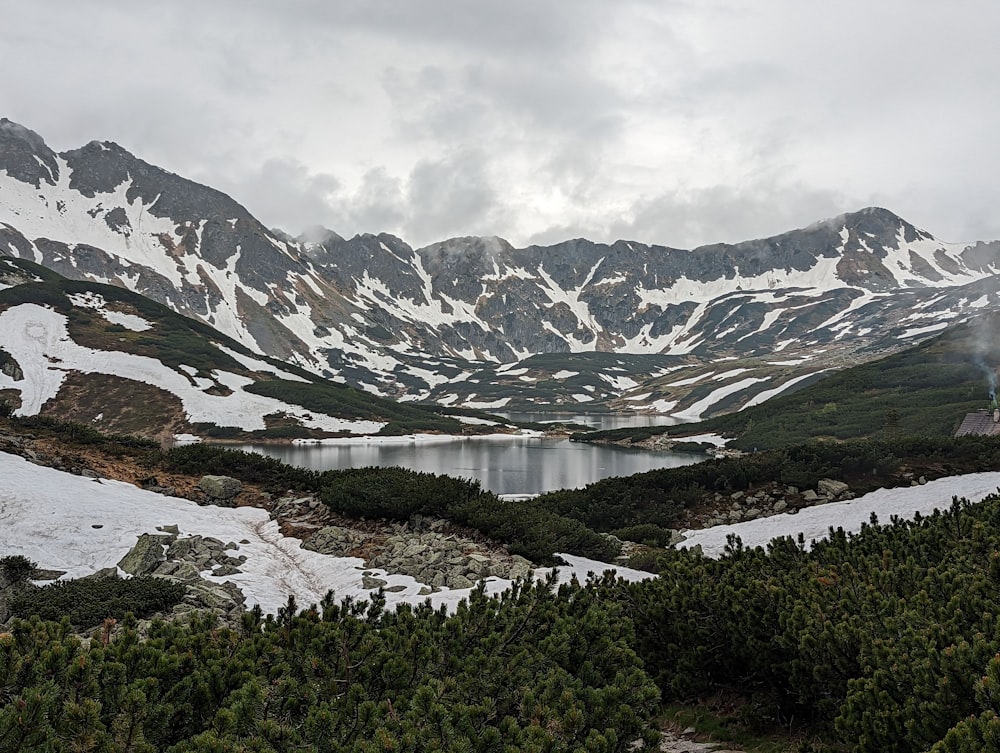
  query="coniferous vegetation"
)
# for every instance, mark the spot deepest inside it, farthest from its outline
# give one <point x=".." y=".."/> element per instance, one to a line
<point x="538" y="668"/>
<point x="883" y="641"/>
<point x="87" y="601"/>
<point x="16" y="569"/>
<point x="641" y="507"/>
<point x="527" y="527"/>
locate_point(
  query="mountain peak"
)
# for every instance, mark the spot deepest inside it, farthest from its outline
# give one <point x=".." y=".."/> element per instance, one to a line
<point x="481" y="245"/>
<point x="25" y="155"/>
<point x="9" y="130"/>
<point x="883" y="224"/>
<point x="317" y="234"/>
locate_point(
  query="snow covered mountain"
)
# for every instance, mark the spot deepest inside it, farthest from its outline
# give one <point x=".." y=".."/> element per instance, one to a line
<point x="451" y="321"/>
<point x="110" y="358"/>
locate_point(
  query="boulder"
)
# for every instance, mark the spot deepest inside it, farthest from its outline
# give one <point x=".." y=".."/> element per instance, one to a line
<point x="166" y="568"/>
<point x="181" y="548"/>
<point x="184" y="572"/>
<point x="520" y="567"/>
<point x="809" y="496"/>
<point x="215" y="596"/>
<point x="459" y="581"/>
<point x="144" y="557"/>
<point x="831" y="488"/>
<point x="329" y="540"/>
<point x="369" y="582"/>
<point x="478" y="566"/>
<point x="220" y="488"/>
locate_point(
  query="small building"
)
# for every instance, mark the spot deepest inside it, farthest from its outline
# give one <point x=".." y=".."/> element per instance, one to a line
<point x="980" y="423"/>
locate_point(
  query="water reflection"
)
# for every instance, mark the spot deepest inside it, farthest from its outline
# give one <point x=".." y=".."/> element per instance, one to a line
<point x="508" y="465"/>
<point x="596" y="421"/>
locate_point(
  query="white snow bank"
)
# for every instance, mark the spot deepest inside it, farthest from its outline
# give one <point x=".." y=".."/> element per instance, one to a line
<point x="82" y="525"/>
<point x="37" y="338"/>
<point x="815" y="522"/>
<point x="709" y="438"/>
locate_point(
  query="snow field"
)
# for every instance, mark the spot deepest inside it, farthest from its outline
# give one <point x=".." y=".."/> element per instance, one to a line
<point x="82" y="525"/>
<point x="815" y="522"/>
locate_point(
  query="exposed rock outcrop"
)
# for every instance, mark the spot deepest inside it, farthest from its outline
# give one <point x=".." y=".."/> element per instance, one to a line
<point x="187" y="560"/>
<point x="430" y="550"/>
<point x="220" y="490"/>
<point x="764" y="501"/>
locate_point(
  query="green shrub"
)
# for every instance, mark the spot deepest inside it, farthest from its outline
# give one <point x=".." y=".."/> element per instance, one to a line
<point x="17" y="568"/>
<point x="88" y="601"/>
<point x="646" y="533"/>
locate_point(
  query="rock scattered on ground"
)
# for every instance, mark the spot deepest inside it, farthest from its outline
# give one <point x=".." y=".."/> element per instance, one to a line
<point x="766" y="500"/>
<point x="430" y="550"/>
<point x="168" y="555"/>
<point x="220" y="490"/>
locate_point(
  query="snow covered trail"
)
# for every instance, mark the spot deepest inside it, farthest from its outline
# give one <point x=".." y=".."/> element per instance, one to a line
<point x="815" y="522"/>
<point x="81" y="525"/>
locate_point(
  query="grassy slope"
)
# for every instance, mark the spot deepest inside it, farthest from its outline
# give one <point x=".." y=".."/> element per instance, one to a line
<point x="925" y="390"/>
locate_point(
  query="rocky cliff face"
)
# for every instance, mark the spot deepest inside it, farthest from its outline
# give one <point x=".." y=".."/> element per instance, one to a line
<point x="417" y="323"/>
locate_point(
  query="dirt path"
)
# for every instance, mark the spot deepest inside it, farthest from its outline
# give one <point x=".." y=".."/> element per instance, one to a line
<point x="673" y="742"/>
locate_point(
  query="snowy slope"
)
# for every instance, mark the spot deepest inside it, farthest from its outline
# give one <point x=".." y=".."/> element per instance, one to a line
<point x="38" y="340"/>
<point x="414" y="323"/>
<point x="82" y="525"/>
<point x="815" y="522"/>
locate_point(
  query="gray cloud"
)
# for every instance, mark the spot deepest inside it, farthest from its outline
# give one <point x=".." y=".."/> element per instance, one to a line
<point x="673" y="122"/>
<point x="453" y="196"/>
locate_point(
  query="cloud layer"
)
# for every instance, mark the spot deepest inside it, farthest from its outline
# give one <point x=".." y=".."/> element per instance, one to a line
<point x="666" y="122"/>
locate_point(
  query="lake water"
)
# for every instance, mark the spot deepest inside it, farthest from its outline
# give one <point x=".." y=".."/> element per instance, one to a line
<point x="505" y="465"/>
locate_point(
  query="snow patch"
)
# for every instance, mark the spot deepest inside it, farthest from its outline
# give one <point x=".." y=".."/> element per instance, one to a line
<point x="39" y="507"/>
<point x="815" y="522"/>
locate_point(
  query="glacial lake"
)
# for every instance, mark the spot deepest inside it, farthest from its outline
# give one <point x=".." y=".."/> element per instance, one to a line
<point x="504" y="465"/>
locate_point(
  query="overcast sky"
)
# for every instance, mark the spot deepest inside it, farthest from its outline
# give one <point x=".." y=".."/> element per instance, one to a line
<point x="675" y="122"/>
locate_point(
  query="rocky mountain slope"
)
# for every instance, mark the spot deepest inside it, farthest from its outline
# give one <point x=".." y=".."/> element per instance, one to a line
<point x="453" y="321"/>
<point x="110" y="358"/>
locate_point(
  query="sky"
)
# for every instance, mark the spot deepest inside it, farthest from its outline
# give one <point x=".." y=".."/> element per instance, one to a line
<point x="664" y="121"/>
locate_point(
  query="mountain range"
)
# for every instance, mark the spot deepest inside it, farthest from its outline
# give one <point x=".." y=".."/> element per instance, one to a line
<point x="476" y="322"/>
